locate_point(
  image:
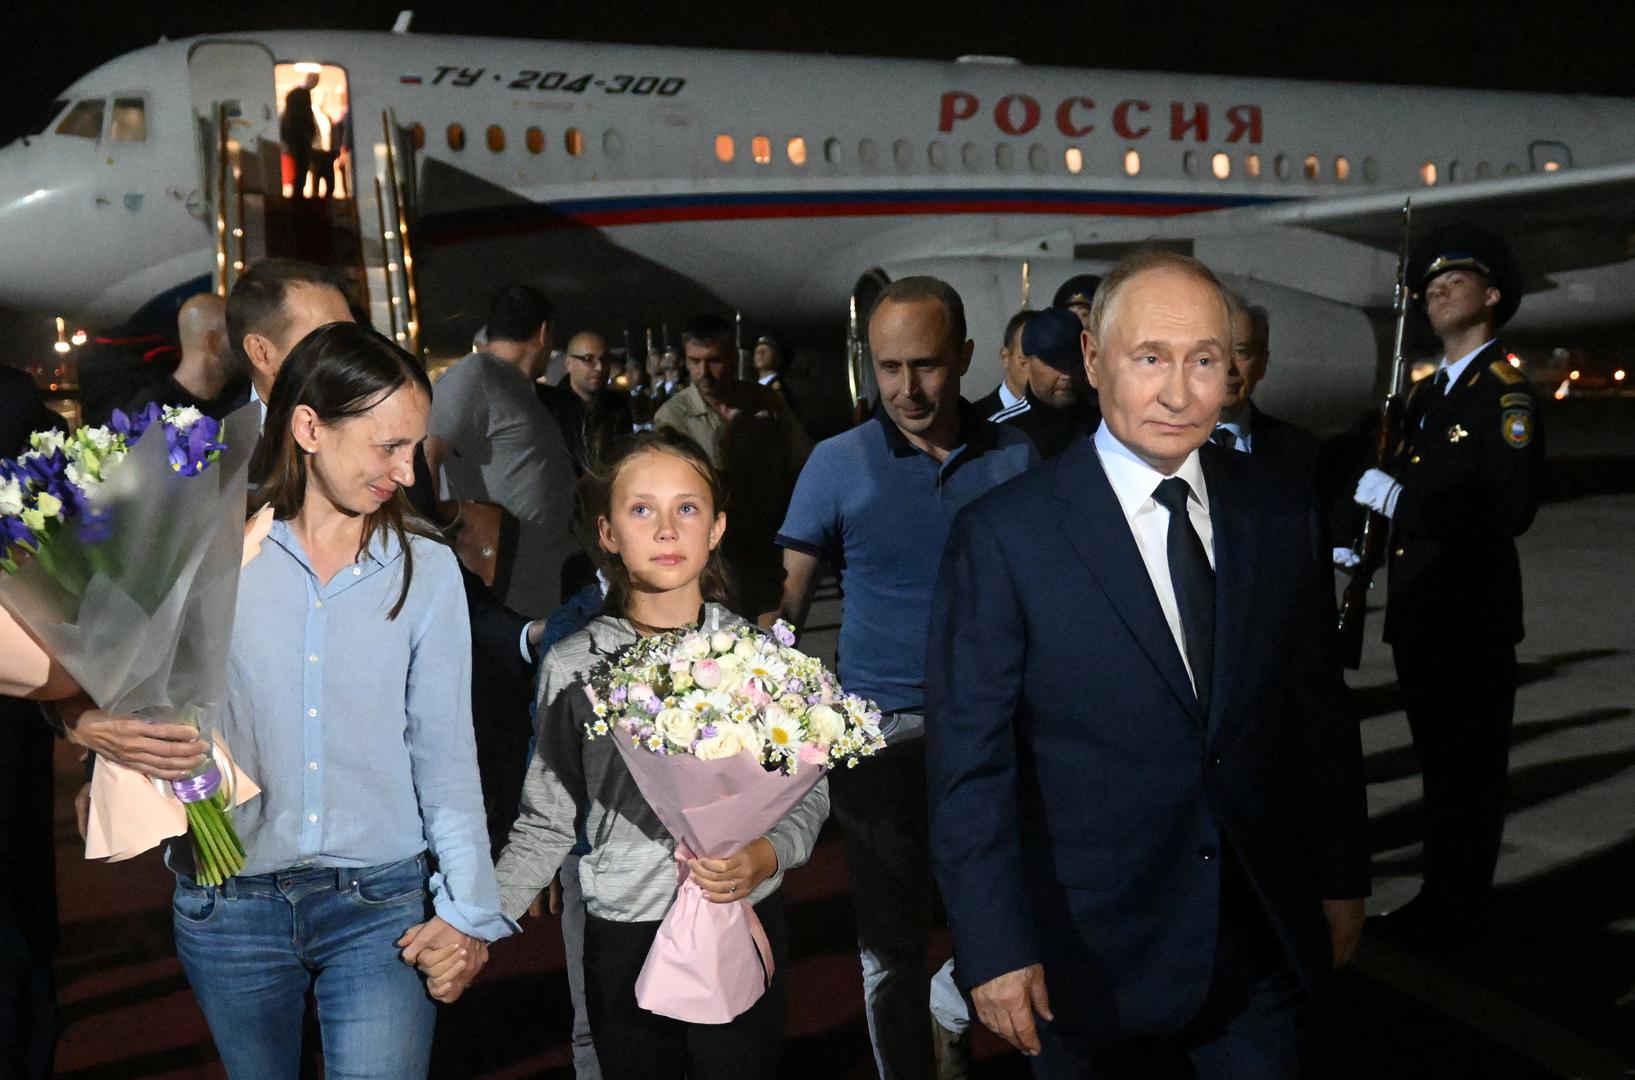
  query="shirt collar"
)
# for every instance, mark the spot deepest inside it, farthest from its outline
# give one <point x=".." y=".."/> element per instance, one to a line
<point x="975" y="433"/>
<point x="1009" y="400"/>
<point x="381" y="551"/>
<point x="1134" y="480"/>
<point x="1457" y="368"/>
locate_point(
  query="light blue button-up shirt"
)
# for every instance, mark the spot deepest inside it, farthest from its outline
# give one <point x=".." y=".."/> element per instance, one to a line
<point x="357" y="728"/>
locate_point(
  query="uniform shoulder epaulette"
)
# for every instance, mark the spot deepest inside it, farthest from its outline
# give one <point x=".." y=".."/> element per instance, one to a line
<point x="1506" y="373"/>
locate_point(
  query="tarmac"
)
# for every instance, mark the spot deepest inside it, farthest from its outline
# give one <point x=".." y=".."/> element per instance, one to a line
<point x="1551" y="994"/>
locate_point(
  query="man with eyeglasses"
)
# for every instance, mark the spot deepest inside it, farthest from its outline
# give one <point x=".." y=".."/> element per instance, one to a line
<point x="593" y="419"/>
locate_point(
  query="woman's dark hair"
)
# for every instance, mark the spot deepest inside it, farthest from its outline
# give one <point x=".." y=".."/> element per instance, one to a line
<point x="596" y="503"/>
<point x="339" y="371"/>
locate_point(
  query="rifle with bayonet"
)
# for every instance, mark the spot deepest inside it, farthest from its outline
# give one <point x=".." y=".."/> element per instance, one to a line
<point x="1370" y="547"/>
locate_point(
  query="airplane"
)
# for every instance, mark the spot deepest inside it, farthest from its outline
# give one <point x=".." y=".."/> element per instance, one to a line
<point x="638" y="184"/>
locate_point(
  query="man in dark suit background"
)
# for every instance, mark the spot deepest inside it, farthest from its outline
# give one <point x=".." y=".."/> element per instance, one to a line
<point x="1146" y="787"/>
<point x="1242" y="425"/>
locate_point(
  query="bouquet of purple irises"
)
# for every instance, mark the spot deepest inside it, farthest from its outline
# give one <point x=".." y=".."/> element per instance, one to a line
<point x="121" y="555"/>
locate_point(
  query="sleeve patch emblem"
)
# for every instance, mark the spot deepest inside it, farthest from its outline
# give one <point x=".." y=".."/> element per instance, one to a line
<point x="1517" y="427"/>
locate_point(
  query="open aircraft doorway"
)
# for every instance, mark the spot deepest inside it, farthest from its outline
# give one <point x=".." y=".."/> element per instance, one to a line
<point x="315" y="128"/>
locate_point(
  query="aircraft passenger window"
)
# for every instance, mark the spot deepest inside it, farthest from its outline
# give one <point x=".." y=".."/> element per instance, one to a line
<point x="1073" y="158"/>
<point x="832" y="152"/>
<point x="797" y="151"/>
<point x="1004" y="156"/>
<point x="1484" y="171"/>
<point x="130" y="120"/>
<point x="613" y="143"/>
<point x="1189" y="163"/>
<point x="1037" y="160"/>
<point x="1342" y="169"/>
<point x="1427" y="173"/>
<point x="868" y="152"/>
<point x="84" y="121"/>
<point x="1280" y="165"/>
<point x="937" y="154"/>
<point x="1221" y="165"/>
<point x="1251" y="166"/>
<point x="456" y="137"/>
<point x="903" y="152"/>
<point x="1512" y="169"/>
<point x="970" y="155"/>
<point x="1132" y="163"/>
<point x="534" y="139"/>
<point x="1552" y="165"/>
<point x="417" y="134"/>
<point x="723" y="148"/>
<point x="574" y="140"/>
<point x="760" y="149"/>
<point x="1455" y="173"/>
<point x="1371" y="170"/>
<point x="496" y="138"/>
<point x="1314" y="170"/>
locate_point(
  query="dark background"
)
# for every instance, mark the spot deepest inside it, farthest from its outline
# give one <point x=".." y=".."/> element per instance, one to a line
<point x="1553" y="47"/>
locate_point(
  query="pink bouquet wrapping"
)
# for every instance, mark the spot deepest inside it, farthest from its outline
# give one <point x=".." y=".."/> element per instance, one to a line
<point x="723" y="732"/>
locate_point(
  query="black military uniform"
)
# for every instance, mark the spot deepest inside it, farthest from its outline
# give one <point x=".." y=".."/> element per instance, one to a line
<point x="1469" y="465"/>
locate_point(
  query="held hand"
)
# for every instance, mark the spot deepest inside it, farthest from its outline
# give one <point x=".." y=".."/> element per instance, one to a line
<point x="536" y="633"/>
<point x="553" y="895"/>
<point x="1006" y="1006"/>
<point x="255" y="531"/>
<point x="729" y="880"/>
<point x="448" y="958"/>
<point x="1345" y="558"/>
<point x="1345" y="924"/>
<point x="162" y="751"/>
<point x="1377" y="491"/>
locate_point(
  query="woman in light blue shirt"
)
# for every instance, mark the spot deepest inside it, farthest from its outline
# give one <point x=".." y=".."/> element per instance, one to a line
<point x="349" y="703"/>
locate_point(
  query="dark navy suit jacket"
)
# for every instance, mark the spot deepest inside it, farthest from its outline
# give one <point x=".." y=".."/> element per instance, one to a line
<point x="1081" y="802"/>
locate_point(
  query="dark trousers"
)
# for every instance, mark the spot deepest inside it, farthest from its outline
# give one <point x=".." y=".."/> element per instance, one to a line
<point x="1461" y="703"/>
<point x="28" y="894"/>
<point x="636" y="1044"/>
<point x="1251" y="1025"/>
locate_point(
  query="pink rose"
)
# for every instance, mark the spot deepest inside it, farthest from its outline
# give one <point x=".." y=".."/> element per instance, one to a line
<point x="707" y="674"/>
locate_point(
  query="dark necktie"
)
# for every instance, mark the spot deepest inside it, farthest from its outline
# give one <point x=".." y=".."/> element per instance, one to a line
<point x="1429" y="401"/>
<point x="1225" y="438"/>
<point x="1194" y="582"/>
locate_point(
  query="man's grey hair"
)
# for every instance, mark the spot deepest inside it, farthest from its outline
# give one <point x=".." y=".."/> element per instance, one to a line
<point x="1132" y="266"/>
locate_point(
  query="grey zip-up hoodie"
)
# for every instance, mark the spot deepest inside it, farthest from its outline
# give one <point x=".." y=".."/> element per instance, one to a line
<point x="630" y="874"/>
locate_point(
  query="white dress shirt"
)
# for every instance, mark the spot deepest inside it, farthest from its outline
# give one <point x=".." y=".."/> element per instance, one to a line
<point x="1457" y="368"/>
<point x="1133" y="482"/>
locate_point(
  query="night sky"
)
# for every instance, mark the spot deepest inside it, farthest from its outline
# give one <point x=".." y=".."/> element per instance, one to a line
<point x="1561" y="47"/>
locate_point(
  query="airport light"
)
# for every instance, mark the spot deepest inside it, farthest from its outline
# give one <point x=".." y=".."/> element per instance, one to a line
<point x="1618" y="376"/>
<point x="62" y="345"/>
<point x="78" y="339"/>
<point x="1561" y="391"/>
<point x="1515" y="361"/>
<point x="1574" y="374"/>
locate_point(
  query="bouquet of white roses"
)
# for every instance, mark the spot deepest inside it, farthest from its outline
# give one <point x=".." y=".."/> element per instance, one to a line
<point x="724" y="731"/>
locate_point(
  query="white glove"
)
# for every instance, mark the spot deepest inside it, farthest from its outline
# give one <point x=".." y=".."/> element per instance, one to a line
<point x="1377" y="491"/>
<point x="1345" y="558"/>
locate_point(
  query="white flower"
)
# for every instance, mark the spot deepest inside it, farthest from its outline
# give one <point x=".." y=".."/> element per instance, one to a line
<point x="182" y="416"/>
<point x="746" y="650"/>
<point x="769" y="669"/>
<point x="826" y="724"/>
<point x="11" y="497"/>
<point x="729" y="739"/>
<point x="729" y="662"/>
<point x="681" y="674"/>
<point x="694" y="647"/>
<point x="782" y="730"/>
<point x="678" y="727"/>
<point x="48" y="440"/>
<point x="722" y="641"/>
<point x="638" y="692"/>
<point x="701" y="702"/>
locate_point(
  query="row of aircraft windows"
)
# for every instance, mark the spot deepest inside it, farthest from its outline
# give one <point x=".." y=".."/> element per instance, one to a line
<point x="972" y="155"/>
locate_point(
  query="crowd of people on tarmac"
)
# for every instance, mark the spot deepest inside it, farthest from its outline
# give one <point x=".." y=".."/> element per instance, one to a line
<point x="1095" y="607"/>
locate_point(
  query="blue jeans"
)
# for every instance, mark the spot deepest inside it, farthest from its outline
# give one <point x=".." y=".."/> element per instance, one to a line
<point x="253" y="948"/>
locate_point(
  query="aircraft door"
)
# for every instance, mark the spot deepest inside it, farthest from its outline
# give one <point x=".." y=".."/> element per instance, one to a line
<point x="1549" y="156"/>
<point x="235" y="114"/>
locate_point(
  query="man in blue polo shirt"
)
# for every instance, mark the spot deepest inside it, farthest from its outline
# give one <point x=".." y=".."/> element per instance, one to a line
<point x="877" y="502"/>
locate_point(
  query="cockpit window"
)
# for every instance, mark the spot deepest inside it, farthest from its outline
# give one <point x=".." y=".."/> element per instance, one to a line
<point x="130" y="120"/>
<point x="84" y="120"/>
<point x="44" y="121"/>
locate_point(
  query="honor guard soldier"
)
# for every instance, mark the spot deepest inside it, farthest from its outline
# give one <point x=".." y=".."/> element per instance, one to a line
<point x="1465" y="486"/>
<point x="1076" y="294"/>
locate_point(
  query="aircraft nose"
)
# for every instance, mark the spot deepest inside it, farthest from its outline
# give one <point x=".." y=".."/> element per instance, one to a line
<point x="32" y="209"/>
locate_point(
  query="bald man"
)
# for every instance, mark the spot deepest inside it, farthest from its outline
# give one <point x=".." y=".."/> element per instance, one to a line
<point x="206" y="377"/>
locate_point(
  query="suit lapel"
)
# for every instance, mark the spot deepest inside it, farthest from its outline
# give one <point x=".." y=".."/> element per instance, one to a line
<point x="1095" y="527"/>
<point x="1231" y="522"/>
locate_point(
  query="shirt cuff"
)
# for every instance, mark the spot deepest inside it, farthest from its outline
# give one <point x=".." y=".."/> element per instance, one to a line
<point x="474" y="920"/>
<point x="522" y="644"/>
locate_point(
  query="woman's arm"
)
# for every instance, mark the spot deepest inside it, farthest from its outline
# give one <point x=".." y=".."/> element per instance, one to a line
<point x="26" y="669"/>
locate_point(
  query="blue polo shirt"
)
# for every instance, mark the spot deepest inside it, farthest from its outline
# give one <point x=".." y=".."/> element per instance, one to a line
<point x="871" y="503"/>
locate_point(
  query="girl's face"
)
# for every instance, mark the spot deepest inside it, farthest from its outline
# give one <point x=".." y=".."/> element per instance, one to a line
<point x="662" y="522"/>
<point x="357" y="464"/>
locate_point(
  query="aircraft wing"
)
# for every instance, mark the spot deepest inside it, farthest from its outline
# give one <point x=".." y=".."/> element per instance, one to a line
<point x="1553" y="222"/>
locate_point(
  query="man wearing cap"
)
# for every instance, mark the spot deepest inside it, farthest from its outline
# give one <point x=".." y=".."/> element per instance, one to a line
<point x="1062" y="402"/>
<point x="1011" y="395"/>
<point x="768" y="359"/>
<point x="1076" y="294"/>
<point x="878" y="500"/>
<point x="1243" y="426"/>
<point x="1465" y="485"/>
